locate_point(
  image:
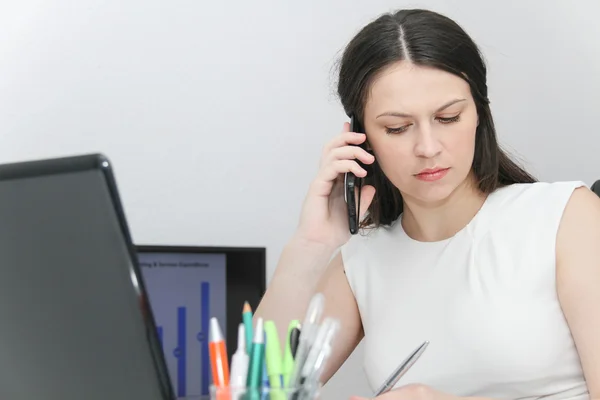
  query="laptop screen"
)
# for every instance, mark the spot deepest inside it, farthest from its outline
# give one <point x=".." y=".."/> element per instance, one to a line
<point x="72" y="326"/>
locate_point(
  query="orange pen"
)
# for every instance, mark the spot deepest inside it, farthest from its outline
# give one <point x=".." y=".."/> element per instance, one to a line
<point x="218" y="355"/>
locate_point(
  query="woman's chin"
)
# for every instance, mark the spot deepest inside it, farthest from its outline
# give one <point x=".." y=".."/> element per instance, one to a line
<point x="430" y="195"/>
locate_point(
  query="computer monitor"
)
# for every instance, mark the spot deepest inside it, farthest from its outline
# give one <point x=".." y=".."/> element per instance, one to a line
<point x="75" y="320"/>
<point x="186" y="287"/>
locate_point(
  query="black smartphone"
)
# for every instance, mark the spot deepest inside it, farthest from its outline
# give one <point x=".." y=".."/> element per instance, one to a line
<point x="353" y="185"/>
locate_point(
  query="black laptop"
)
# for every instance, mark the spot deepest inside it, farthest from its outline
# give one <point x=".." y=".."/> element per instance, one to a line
<point x="75" y="322"/>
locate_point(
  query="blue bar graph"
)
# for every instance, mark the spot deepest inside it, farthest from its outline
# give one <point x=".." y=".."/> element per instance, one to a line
<point x="160" y="335"/>
<point x="185" y="291"/>
<point x="181" y="353"/>
<point x="203" y="337"/>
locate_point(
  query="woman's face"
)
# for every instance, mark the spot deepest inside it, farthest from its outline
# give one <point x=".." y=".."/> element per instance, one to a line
<point x="421" y="124"/>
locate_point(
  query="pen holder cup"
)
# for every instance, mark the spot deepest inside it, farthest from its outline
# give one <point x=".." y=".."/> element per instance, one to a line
<point x="263" y="393"/>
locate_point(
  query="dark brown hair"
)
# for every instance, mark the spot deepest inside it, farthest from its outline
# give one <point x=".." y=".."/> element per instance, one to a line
<point x="430" y="39"/>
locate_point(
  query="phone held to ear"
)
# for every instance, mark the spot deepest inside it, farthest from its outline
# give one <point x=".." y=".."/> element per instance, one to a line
<point x="353" y="186"/>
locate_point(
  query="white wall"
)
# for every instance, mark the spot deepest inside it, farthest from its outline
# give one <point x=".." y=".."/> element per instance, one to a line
<point x="214" y="113"/>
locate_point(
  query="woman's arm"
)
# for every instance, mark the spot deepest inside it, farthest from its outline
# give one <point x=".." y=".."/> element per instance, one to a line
<point x="578" y="279"/>
<point x="340" y="303"/>
<point x="303" y="271"/>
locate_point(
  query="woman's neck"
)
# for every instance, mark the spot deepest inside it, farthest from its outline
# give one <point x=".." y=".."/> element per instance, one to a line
<point x="440" y="221"/>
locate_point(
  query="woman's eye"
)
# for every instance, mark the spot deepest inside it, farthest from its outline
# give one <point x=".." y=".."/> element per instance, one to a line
<point x="443" y="120"/>
<point x="449" y="120"/>
<point x="396" y="130"/>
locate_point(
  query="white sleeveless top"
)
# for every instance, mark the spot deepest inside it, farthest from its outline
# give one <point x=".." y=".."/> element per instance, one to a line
<point x="485" y="299"/>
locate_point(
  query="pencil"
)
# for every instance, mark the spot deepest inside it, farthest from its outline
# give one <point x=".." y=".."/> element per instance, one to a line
<point x="247" y="319"/>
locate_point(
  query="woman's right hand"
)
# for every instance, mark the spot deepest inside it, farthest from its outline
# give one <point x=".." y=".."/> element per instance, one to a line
<point x="324" y="216"/>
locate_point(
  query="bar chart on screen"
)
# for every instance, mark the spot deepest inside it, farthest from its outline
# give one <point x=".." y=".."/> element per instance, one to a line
<point x="185" y="291"/>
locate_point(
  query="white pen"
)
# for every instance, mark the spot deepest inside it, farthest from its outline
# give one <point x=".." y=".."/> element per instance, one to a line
<point x="239" y="364"/>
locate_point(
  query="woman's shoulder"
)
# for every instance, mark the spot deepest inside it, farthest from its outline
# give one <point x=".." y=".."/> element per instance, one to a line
<point x="370" y="241"/>
<point x="540" y="185"/>
<point x="524" y="206"/>
<point x="535" y="193"/>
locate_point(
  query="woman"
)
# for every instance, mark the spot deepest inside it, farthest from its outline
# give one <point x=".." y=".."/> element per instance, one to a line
<point x="460" y="246"/>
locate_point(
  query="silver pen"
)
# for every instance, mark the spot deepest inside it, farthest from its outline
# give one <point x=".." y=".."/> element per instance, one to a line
<point x="391" y="381"/>
<point x="317" y="358"/>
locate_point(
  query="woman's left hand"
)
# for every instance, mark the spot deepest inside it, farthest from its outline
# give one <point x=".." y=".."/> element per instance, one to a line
<point x="411" y="392"/>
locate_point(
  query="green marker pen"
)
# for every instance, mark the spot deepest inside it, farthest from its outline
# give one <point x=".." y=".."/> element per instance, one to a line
<point x="273" y="355"/>
<point x="255" y="367"/>
<point x="288" y="358"/>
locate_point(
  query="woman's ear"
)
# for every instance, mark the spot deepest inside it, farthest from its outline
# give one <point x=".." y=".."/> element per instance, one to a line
<point x="368" y="146"/>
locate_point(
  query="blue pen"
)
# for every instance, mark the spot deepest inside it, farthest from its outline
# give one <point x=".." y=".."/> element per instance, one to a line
<point x="265" y="383"/>
<point x="265" y="375"/>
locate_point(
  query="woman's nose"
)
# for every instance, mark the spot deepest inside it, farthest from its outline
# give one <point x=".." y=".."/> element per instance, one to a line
<point x="427" y="145"/>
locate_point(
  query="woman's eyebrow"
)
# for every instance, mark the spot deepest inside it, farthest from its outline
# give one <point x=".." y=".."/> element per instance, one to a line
<point x="399" y="114"/>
